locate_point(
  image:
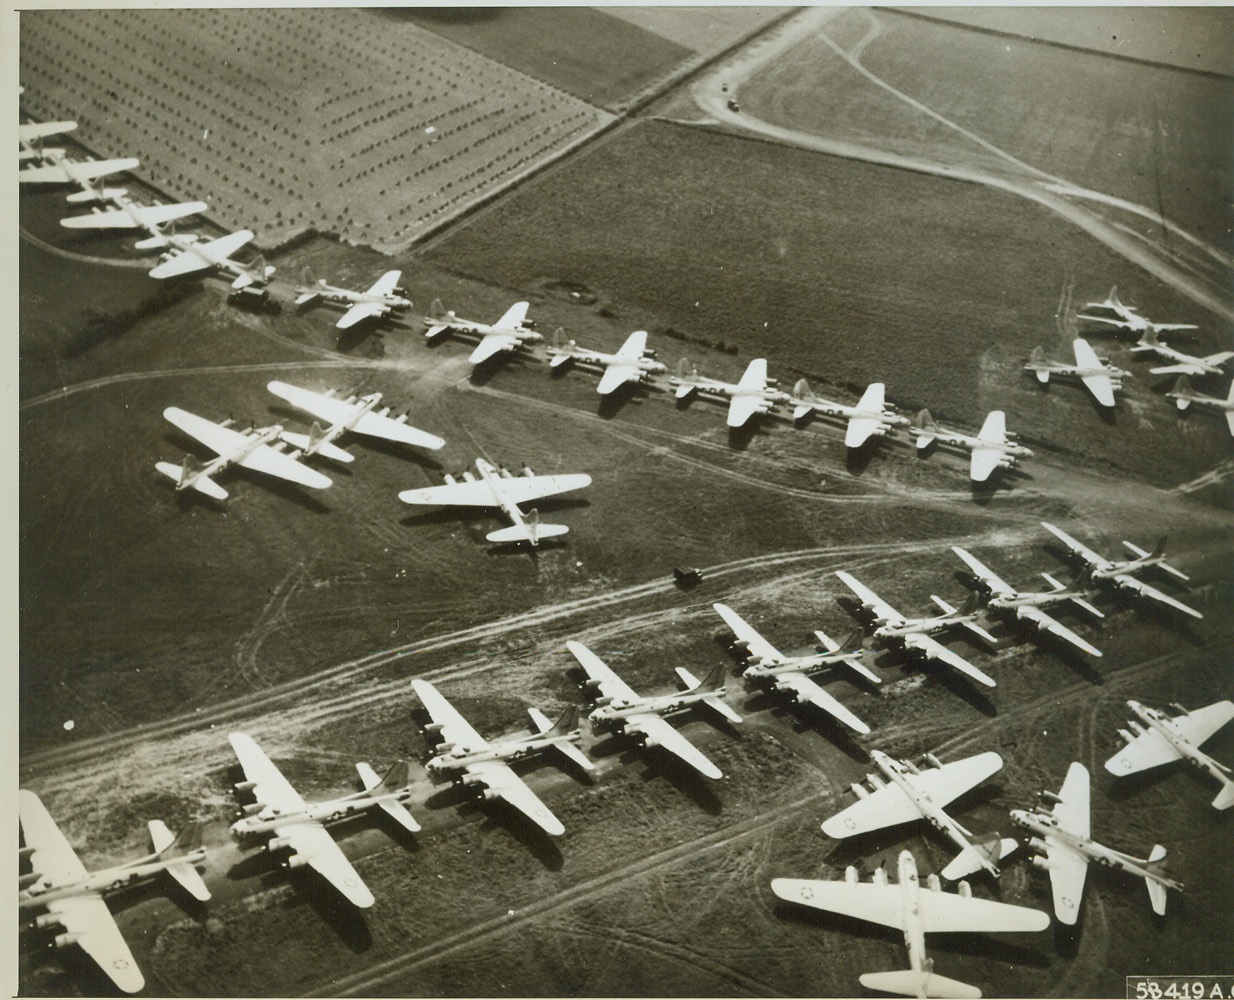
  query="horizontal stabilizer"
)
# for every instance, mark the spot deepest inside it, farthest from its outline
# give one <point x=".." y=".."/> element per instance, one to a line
<point x="202" y="484"/>
<point x="563" y="726"/>
<point x="911" y="983"/>
<point x="324" y="448"/>
<point x="975" y="857"/>
<point x="715" y="680"/>
<point x="1225" y="798"/>
<point x="529" y="532"/>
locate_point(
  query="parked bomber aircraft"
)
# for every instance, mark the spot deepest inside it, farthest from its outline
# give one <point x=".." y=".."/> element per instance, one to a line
<point x="992" y="448"/>
<point x="73" y="897"/>
<point x="904" y="793"/>
<point x="383" y="298"/>
<point x="358" y="414"/>
<point x="1127" y="317"/>
<point x="753" y="393"/>
<point x="917" y="633"/>
<point x="618" y="707"/>
<point x="32" y="132"/>
<point x="632" y="362"/>
<point x="1064" y="837"/>
<point x="187" y="254"/>
<point x="789" y="673"/>
<point x="1099" y="377"/>
<point x="481" y="764"/>
<point x="128" y="214"/>
<point x="501" y="488"/>
<point x="508" y="334"/>
<point x="1026" y="606"/>
<point x="1183" y="395"/>
<point x="1158" y="739"/>
<point x="870" y="417"/>
<point x="294" y="825"/>
<point x="1183" y="364"/>
<point x="257" y="449"/>
<point x="914" y="912"/>
<point x="62" y="170"/>
<point x="1121" y="572"/>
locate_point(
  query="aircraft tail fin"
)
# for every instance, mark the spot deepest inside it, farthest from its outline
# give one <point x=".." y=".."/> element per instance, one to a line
<point x="805" y="396"/>
<point x="1037" y="364"/>
<point x="437" y="312"/>
<point x="187" y="474"/>
<point x="828" y="643"/>
<point x="918" y="983"/>
<point x="714" y="681"/>
<point x="186" y="843"/>
<point x="979" y="854"/>
<point x="924" y="427"/>
<point x="1230" y="396"/>
<point x="262" y="270"/>
<point x="563" y="730"/>
<point x="161" y="838"/>
<point x="395" y="781"/>
<point x="308" y="277"/>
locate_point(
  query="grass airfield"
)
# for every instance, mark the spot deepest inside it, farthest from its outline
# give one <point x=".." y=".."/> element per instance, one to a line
<point x="157" y="624"/>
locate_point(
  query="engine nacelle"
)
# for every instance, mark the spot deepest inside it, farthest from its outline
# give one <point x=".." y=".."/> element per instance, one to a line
<point x="67" y="938"/>
<point x="401" y="292"/>
<point x="24" y="852"/>
<point x="880" y="876"/>
<point x="296" y="861"/>
<point x="1128" y="737"/>
<point x="449" y="479"/>
<point x="860" y="790"/>
<point x="1179" y="708"/>
<point x="911" y="767"/>
<point x="1136" y="728"/>
<point x="1038" y="845"/>
<point x="245" y="786"/>
<point x="27" y="880"/>
<point x="851" y="875"/>
<point x="1049" y="797"/>
<point x="933" y="883"/>
<point x="277" y="843"/>
<point x="876" y="780"/>
<point x="251" y="808"/>
<point x="964" y="889"/>
<point x="933" y="761"/>
<point x="45" y="920"/>
<point x="469" y="477"/>
<point x="433" y="728"/>
<point x="528" y="471"/>
<point x="650" y="742"/>
<point x="488" y="795"/>
<point x="1041" y="863"/>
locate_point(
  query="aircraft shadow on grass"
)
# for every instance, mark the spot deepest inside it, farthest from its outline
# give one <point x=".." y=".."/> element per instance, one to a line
<point x="503" y="819"/>
<point x="345" y="920"/>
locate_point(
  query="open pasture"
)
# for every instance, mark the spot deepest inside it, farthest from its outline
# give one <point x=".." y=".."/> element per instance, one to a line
<point x="346" y="121"/>
<point x="1049" y="108"/>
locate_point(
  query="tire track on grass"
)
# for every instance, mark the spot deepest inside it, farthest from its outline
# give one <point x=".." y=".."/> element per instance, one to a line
<point x="365" y="982"/>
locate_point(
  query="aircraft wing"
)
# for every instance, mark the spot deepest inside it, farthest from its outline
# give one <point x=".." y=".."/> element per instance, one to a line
<point x="180" y="262"/>
<point x="1101" y="386"/>
<point x="935" y="650"/>
<point x="337" y="411"/>
<point x="984" y="461"/>
<point x="1052" y="625"/>
<point x="517" y="489"/>
<point x="634" y="347"/>
<point x="33" y="131"/>
<point x="53" y="857"/>
<point x="188" y="261"/>
<point x="1079" y="548"/>
<point x="742" y="408"/>
<point x="375" y="425"/>
<point x="55" y="173"/>
<point x="1073" y="811"/>
<point x="664" y="735"/>
<point x="945" y="912"/>
<point x="611" y="686"/>
<point x="514" y="317"/>
<point x="886" y="806"/>
<point x="219" y="439"/>
<point x="269" y="786"/>
<point x="995" y="427"/>
<point x="809" y="692"/>
<point x="1148" y="590"/>
<point x="510" y="787"/>
<point x="880" y="904"/>
<point x="454" y="728"/>
<point x="983" y="572"/>
<point x="272" y="462"/>
<point x="492" y="343"/>
<point x="1199" y="725"/>
<point x="119" y="218"/>
<point x="859" y="430"/>
<point x="386" y="284"/>
<point x="755" y="375"/>
<point x="755" y="643"/>
<point x="313" y="843"/>
<point x="953" y="779"/>
<point x="615" y="376"/>
<point x="870" y="599"/>
<point x="361" y="311"/>
<point x="100" y="938"/>
<point x="520" y="489"/>
<point x="1067" y="871"/>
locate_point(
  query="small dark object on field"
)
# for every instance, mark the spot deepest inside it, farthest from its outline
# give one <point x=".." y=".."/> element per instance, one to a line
<point x="257" y="299"/>
<point x="688" y="576"/>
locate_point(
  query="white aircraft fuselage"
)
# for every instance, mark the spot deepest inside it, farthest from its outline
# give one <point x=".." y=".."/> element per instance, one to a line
<point x="914" y="930"/>
<point x="104" y="880"/>
<point x="918" y="626"/>
<point x="268" y="820"/>
<point x="615" y="712"/>
<point x="931" y="811"/>
<point x="264" y="435"/>
<point x="345" y="296"/>
<point x="1043" y="824"/>
<point x="456" y="758"/>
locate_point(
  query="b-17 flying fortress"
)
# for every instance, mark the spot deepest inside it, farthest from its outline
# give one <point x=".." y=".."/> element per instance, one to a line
<point x="871" y="715"/>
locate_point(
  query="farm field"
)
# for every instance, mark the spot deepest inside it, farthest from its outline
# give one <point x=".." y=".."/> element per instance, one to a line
<point x="153" y="624"/>
<point x="1046" y="107"/>
<point x="365" y="149"/>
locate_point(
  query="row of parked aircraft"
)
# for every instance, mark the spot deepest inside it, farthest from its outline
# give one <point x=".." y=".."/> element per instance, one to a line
<point x="296" y="830"/>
